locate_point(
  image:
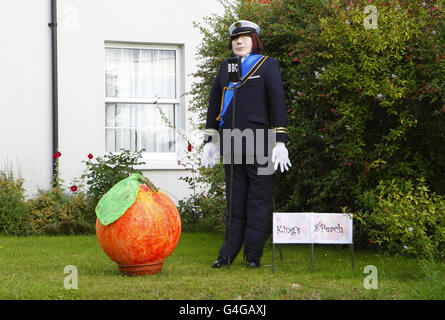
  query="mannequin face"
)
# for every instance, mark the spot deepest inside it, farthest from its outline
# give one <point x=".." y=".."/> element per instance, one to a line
<point x="242" y="45"/>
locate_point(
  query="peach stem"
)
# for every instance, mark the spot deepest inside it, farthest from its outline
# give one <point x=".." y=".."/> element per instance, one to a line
<point x="147" y="181"/>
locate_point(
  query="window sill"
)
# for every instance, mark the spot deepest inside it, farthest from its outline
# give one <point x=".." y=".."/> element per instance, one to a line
<point x="160" y="165"/>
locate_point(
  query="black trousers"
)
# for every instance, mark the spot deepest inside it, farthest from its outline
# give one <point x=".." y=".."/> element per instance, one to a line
<point x="251" y="211"/>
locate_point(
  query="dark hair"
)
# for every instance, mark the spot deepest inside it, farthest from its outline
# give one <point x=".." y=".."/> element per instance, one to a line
<point x="256" y="42"/>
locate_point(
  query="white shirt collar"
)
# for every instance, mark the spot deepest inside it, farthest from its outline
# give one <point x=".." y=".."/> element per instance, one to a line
<point x="244" y="58"/>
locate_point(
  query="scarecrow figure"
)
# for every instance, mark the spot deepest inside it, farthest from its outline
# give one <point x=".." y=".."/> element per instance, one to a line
<point x="260" y="106"/>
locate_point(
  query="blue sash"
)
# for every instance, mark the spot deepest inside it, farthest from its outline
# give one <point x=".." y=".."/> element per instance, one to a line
<point x="246" y="66"/>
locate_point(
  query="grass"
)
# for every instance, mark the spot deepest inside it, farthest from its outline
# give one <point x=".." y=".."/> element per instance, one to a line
<point x="33" y="268"/>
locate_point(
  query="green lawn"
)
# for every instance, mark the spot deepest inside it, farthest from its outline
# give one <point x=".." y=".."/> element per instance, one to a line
<point x="33" y="268"/>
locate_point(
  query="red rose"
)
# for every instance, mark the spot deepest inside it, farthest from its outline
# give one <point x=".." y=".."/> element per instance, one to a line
<point x="189" y="147"/>
<point x="56" y="155"/>
<point x="90" y="156"/>
<point x="73" y="188"/>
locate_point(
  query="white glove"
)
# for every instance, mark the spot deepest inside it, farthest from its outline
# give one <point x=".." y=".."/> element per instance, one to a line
<point x="209" y="155"/>
<point x="280" y="156"/>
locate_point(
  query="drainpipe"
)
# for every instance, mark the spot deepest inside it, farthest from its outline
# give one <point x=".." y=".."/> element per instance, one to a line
<point x="55" y="107"/>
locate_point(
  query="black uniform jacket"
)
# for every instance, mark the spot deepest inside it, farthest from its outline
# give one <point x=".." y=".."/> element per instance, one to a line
<point x="260" y="103"/>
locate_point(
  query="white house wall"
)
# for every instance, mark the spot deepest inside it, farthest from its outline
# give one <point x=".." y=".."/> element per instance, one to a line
<point x="84" y="26"/>
<point x="25" y="89"/>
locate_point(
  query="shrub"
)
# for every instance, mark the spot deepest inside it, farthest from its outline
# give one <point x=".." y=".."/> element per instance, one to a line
<point x="13" y="208"/>
<point x="364" y="105"/>
<point x="205" y="211"/>
<point x="104" y="172"/>
<point x="404" y="217"/>
<point x="202" y="214"/>
<point x="58" y="213"/>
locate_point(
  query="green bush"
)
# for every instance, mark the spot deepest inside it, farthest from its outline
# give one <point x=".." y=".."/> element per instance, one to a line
<point x="404" y="217"/>
<point x="364" y="105"/>
<point x="202" y="214"/>
<point x="56" y="212"/>
<point x="104" y="172"/>
<point x="204" y="211"/>
<point x="13" y="208"/>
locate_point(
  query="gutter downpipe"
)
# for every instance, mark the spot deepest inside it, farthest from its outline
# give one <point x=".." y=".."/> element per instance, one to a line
<point x="55" y="107"/>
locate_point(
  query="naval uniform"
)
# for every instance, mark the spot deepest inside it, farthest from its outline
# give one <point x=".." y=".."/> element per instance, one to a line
<point x="260" y="104"/>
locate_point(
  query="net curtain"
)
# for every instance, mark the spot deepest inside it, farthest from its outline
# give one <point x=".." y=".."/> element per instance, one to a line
<point x="149" y="74"/>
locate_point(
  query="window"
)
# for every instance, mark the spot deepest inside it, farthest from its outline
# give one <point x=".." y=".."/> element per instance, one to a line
<point x="141" y="99"/>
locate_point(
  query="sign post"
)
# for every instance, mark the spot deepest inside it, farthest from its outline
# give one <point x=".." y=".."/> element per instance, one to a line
<point x="305" y="227"/>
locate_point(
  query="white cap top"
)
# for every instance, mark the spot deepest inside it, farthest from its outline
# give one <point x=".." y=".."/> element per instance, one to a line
<point x="243" y="27"/>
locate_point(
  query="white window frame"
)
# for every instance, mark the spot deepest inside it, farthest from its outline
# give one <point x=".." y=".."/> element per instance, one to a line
<point x="158" y="160"/>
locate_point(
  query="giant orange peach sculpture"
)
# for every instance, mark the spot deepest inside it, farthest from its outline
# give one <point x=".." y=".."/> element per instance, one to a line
<point x="138" y="225"/>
